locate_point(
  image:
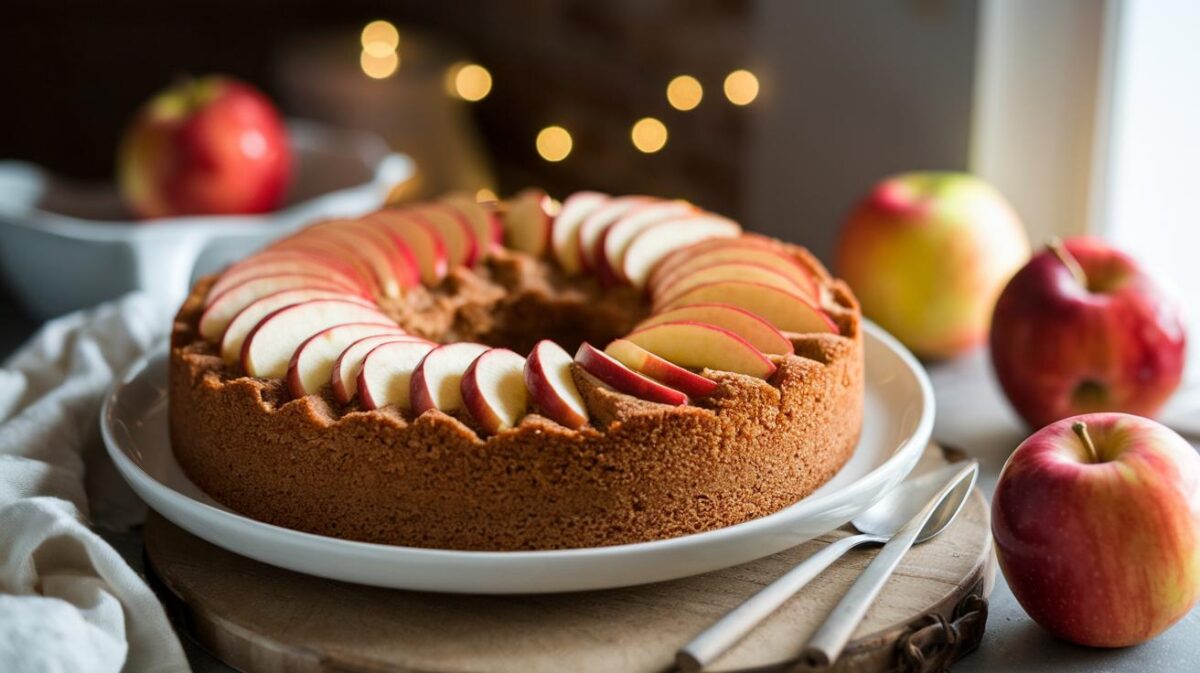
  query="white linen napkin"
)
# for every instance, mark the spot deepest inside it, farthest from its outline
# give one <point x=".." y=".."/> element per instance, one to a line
<point x="68" y="601"/>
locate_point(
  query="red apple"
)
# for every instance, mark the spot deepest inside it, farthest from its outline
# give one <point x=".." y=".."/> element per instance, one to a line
<point x="494" y="392"/>
<point x="621" y="378"/>
<point x="210" y="146"/>
<point x="552" y="386"/>
<point x="1080" y="329"/>
<point x="927" y="254"/>
<point x="1097" y="527"/>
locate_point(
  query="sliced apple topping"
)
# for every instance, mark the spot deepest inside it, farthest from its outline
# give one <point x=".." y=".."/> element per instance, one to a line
<point x="365" y="252"/>
<point x="385" y="378"/>
<point x="747" y="242"/>
<point x="684" y="263"/>
<point x="721" y="272"/>
<point x="788" y="312"/>
<point x="653" y="243"/>
<point x="459" y="238"/>
<point x="552" y="386"/>
<point x="484" y="221"/>
<point x="421" y="237"/>
<point x="528" y="220"/>
<point x="760" y="333"/>
<point x="399" y="256"/>
<point x="312" y="364"/>
<point x="437" y="381"/>
<point x="223" y="307"/>
<point x="270" y="345"/>
<point x="493" y="390"/>
<point x="594" y="225"/>
<point x="621" y="378"/>
<point x="248" y="318"/>
<point x="294" y="263"/>
<point x="700" y="345"/>
<point x="615" y="239"/>
<point x="564" y="235"/>
<point x="643" y="361"/>
<point x="347" y="366"/>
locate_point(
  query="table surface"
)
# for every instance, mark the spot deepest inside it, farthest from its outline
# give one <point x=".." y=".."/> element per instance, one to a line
<point x="972" y="415"/>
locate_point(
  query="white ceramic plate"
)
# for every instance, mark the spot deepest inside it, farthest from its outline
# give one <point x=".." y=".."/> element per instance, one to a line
<point x="899" y="419"/>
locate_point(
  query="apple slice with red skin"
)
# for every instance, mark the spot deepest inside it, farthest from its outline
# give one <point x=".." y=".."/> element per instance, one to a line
<point x="459" y="238"/>
<point x="724" y="271"/>
<point x="615" y="239"/>
<point x="684" y="262"/>
<point x="234" y="336"/>
<point x="335" y="246"/>
<point x="269" y="347"/>
<point x="484" y="221"/>
<point x="289" y="263"/>
<point x="593" y="226"/>
<point x="229" y="303"/>
<point x="552" y="386"/>
<point x="493" y="390"/>
<point x="436" y="382"/>
<point x="528" y="220"/>
<point x="390" y="270"/>
<point x="421" y="237"/>
<point x="643" y="361"/>
<point x="564" y="235"/>
<point x="385" y="378"/>
<point x="344" y="376"/>
<point x="760" y="333"/>
<point x="312" y="364"/>
<point x="650" y="245"/>
<point x="400" y="258"/>
<point x="700" y="346"/>
<point x="747" y="241"/>
<point x="788" y="312"/>
<point x="625" y="380"/>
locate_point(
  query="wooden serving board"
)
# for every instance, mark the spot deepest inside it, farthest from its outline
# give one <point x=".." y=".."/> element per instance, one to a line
<point x="262" y="619"/>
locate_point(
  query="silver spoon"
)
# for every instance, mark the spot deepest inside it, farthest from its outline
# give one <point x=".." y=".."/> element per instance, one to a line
<point x="936" y="496"/>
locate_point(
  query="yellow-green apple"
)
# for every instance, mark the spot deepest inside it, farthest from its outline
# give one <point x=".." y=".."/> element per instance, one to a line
<point x="700" y="345"/>
<point x="643" y="361"/>
<point x="787" y="311"/>
<point x="616" y="375"/>
<point x="927" y="254"/>
<point x="312" y="364"/>
<point x="493" y="390"/>
<point x="564" y="235"/>
<point x="209" y="146"/>
<point x="385" y="376"/>
<point x="421" y="237"/>
<point x="437" y="380"/>
<point x="1097" y="527"/>
<point x="760" y="333"/>
<point x="647" y="248"/>
<point x="348" y="365"/>
<point x="269" y="347"/>
<point x="552" y="385"/>
<point x="1081" y="328"/>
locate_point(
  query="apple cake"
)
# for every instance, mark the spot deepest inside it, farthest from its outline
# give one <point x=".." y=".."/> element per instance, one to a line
<point x="406" y="378"/>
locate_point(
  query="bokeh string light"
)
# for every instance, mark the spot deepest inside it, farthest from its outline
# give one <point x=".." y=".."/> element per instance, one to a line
<point x="554" y="143"/>
<point x="380" y="57"/>
<point x="741" y="87"/>
<point x="468" y="81"/>
<point x="684" y="93"/>
<point x="649" y="135"/>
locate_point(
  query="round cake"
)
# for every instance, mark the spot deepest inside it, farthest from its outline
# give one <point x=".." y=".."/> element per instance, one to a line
<point x="517" y="375"/>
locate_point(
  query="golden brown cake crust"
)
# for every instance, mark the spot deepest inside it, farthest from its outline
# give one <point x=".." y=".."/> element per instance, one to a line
<point x="641" y="471"/>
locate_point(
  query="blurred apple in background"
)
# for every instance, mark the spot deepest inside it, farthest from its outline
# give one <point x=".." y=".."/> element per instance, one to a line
<point x="927" y="254"/>
<point x="1097" y="527"/>
<point x="209" y="146"/>
<point x="1081" y="329"/>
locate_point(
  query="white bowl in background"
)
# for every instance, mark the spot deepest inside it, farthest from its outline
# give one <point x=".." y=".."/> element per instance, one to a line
<point x="64" y="247"/>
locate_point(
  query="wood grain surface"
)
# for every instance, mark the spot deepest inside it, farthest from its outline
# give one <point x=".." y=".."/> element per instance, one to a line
<point x="259" y="618"/>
